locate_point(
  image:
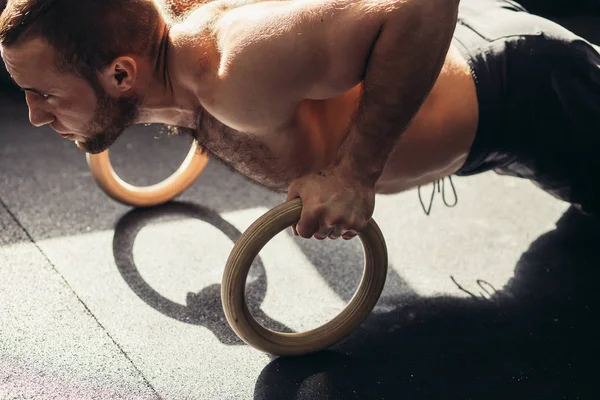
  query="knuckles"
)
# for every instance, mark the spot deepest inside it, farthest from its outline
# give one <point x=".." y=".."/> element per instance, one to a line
<point x="328" y="216"/>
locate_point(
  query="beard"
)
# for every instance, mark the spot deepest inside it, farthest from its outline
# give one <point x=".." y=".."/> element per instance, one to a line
<point x="111" y="118"/>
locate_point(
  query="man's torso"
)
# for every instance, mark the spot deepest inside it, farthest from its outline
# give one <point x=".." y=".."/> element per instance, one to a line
<point x="274" y="143"/>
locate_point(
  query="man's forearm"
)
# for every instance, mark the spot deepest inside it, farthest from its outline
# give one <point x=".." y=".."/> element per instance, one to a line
<point x="405" y="62"/>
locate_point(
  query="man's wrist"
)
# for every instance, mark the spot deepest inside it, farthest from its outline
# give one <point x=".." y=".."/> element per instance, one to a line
<point x="362" y="173"/>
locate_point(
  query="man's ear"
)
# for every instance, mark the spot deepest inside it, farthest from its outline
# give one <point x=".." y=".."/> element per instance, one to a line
<point x="120" y="76"/>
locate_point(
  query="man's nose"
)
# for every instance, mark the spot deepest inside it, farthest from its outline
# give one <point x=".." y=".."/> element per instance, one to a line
<point x="38" y="116"/>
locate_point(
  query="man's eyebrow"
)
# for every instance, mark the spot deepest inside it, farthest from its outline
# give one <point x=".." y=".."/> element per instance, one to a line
<point x="32" y="90"/>
<point x="26" y="89"/>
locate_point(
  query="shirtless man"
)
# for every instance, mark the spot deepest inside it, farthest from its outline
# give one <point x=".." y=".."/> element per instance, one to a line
<point x="332" y="101"/>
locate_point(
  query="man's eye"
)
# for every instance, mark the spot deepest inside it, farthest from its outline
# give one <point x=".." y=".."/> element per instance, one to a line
<point x="46" y="96"/>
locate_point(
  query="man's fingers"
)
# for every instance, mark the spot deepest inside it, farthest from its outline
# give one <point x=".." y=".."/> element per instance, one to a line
<point x="307" y="226"/>
<point x="350" y="235"/>
<point x="318" y="223"/>
<point x="323" y="232"/>
<point x="336" y="233"/>
<point x="355" y="229"/>
<point x="292" y="195"/>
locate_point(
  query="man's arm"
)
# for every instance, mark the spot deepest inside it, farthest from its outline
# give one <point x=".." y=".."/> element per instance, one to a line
<point x="405" y="62"/>
<point x="319" y="49"/>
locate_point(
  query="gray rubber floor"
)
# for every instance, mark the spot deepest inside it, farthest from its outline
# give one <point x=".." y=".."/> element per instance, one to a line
<point x="495" y="298"/>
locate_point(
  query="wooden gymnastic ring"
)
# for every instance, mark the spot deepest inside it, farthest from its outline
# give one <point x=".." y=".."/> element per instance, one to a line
<point x="293" y="344"/>
<point x="147" y="196"/>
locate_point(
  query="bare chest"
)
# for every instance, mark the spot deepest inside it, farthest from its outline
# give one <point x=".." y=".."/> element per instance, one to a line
<point x="308" y="141"/>
<point x="266" y="159"/>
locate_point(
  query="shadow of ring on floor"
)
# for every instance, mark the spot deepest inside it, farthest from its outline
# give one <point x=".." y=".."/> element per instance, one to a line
<point x="537" y="337"/>
<point x="203" y="308"/>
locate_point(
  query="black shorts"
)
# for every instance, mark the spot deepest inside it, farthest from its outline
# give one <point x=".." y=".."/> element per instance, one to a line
<point x="538" y="88"/>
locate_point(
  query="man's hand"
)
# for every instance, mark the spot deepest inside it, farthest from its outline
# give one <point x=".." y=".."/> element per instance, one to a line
<point x="334" y="204"/>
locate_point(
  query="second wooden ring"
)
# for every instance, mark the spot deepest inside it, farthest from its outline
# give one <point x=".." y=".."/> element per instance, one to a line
<point x="149" y="196"/>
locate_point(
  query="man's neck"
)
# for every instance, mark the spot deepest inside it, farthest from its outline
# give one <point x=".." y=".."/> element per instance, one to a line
<point x="186" y="66"/>
<point x="179" y="75"/>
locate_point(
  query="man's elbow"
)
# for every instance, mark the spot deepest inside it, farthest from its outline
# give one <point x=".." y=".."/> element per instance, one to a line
<point x="428" y="22"/>
<point x="442" y="14"/>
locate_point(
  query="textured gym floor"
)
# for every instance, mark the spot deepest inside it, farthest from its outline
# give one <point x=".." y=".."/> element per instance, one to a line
<point x="495" y="298"/>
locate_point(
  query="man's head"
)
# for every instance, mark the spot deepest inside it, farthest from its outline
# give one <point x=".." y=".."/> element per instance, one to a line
<point x="79" y="62"/>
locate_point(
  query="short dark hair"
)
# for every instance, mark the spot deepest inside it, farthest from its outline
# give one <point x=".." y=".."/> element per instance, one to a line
<point x="87" y="34"/>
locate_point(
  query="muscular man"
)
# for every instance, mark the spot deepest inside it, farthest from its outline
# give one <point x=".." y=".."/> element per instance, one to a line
<point x="329" y="100"/>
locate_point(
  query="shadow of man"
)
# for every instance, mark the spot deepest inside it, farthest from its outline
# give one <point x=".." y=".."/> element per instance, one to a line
<point x="204" y="307"/>
<point x="535" y="338"/>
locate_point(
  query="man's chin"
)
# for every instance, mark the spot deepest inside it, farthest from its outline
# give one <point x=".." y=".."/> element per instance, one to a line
<point x="80" y="146"/>
<point x="94" y="148"/>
